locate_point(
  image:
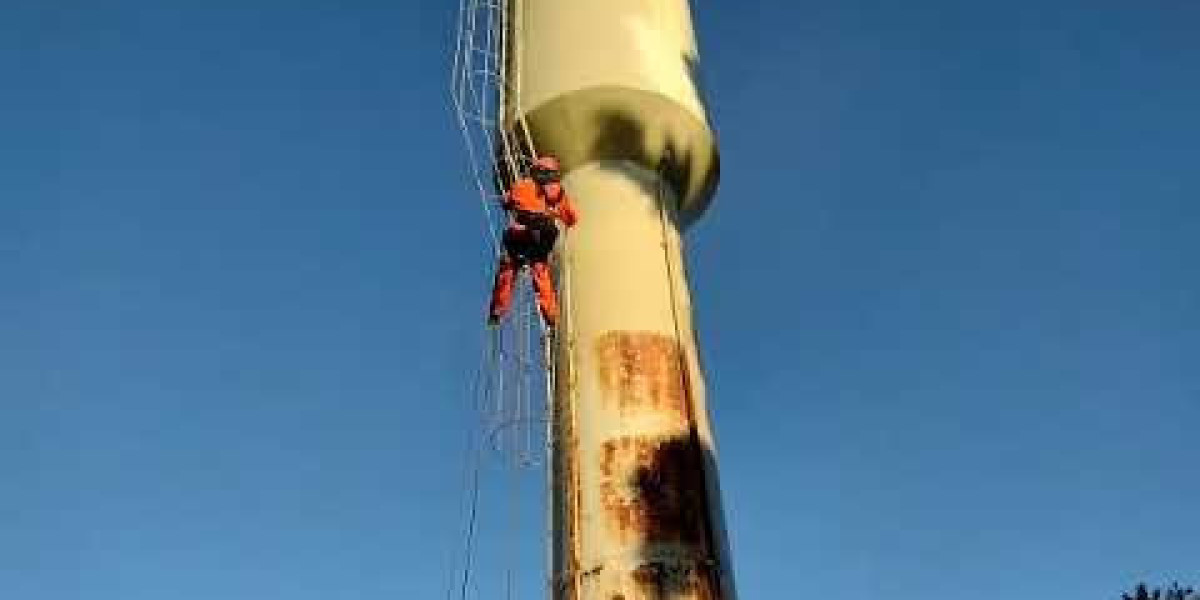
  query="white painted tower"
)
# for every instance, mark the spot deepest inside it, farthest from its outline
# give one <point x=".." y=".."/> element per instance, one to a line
<point x="609" y="86"/>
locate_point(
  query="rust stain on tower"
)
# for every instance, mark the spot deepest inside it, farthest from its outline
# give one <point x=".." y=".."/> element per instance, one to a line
<point x="653" y="490"/>
<point x="642" y="371"/>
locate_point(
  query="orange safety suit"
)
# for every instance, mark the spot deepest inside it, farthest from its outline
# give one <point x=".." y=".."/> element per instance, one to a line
<point x="533" y="209"/>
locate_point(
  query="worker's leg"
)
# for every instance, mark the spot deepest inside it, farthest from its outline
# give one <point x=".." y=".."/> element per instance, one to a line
<point x="502" y="291"/>
<point x="543" y="284"/>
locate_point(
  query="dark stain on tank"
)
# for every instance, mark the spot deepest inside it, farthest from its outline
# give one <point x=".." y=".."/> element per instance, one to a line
<point x="653" y="489"/>
<point x="657" y="580"/>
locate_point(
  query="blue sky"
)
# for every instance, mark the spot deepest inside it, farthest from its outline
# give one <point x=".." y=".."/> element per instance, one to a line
<point x="948" y="296"/>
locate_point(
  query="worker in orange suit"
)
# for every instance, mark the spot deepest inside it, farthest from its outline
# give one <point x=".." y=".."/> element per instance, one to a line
<point x="534" y="205"/>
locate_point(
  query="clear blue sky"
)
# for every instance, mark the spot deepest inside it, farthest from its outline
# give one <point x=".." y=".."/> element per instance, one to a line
<point x="949" y="297"/>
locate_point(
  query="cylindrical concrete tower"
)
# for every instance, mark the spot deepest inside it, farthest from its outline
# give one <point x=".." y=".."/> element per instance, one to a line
<point x="609" y="86"/>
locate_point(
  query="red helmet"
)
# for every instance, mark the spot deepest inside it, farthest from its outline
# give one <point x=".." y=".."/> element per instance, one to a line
<point x="546" y="163"/>
<point x="545" y="170"/>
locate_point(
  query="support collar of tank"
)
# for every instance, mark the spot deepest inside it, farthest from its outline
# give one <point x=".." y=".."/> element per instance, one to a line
<point x="644" y="127"/>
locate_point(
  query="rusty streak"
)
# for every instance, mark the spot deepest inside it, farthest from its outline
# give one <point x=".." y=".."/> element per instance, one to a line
<point x="642" y="371"/>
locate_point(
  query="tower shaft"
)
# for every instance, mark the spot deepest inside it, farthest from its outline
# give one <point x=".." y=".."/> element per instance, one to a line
<point x="609" y="86"/>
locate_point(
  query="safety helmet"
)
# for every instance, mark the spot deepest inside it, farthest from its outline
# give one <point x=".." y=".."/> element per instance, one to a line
<point x="545" y="169"/>
<point x="546" y="163"/>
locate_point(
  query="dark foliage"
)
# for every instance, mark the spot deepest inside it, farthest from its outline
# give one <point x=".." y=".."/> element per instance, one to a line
<point x="1173" y="593"/>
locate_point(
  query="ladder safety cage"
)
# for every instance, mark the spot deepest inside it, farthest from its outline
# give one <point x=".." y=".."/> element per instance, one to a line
<point x="514" y="400"/>
<point x="512" y="392"/>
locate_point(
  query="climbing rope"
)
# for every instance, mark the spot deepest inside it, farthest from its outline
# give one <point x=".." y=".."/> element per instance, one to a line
<point x="460" y="576"/>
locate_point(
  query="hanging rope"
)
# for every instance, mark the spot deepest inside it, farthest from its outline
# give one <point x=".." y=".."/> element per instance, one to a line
<point x="461" y="578"/>
<point x="682" y="350"/>
<point x="472" y="520"/>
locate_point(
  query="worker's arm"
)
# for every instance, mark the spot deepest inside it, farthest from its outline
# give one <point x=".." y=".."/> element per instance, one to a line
<point x="566" y="211"/>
